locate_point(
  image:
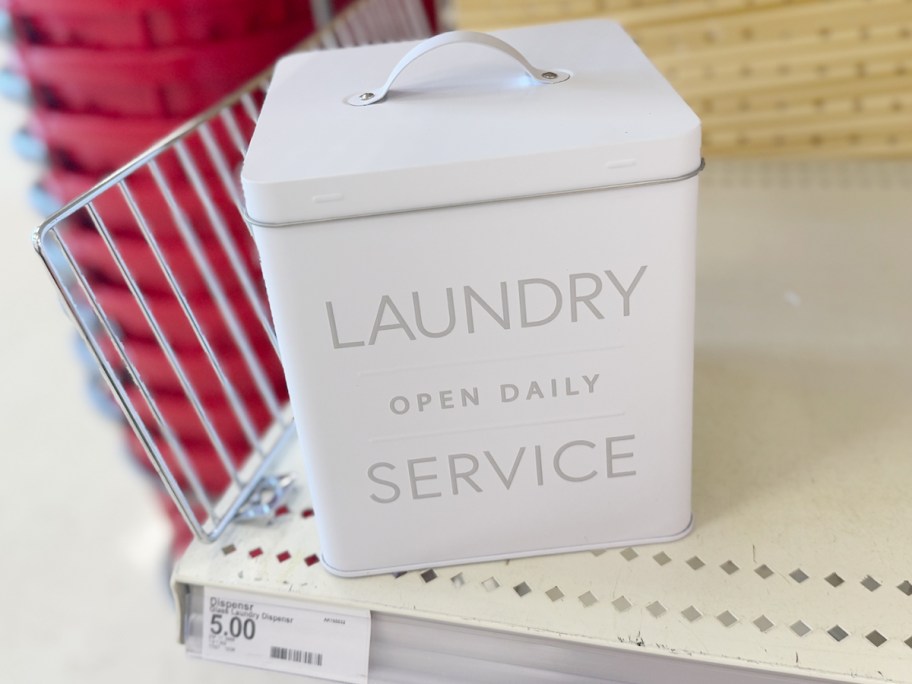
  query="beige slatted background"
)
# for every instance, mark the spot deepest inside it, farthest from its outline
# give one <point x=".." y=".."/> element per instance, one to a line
<point x="768" y="77"/>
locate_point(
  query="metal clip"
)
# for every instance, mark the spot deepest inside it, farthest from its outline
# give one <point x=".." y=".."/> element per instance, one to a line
<point x="270" y="494"/>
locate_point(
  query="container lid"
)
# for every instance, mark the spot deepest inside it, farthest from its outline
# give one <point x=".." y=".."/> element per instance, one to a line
<point x="464" y="124"/>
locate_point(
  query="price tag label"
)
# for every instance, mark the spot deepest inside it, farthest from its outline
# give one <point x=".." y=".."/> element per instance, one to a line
<point x="286" y="636"/>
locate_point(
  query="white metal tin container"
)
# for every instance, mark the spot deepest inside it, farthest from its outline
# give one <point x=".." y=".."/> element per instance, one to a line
<point x="483" y="290"/>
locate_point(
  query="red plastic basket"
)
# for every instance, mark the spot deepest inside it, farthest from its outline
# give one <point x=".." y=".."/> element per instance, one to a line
<point x="151" y="363"/>
<point x="125" y="311"/>
<point x="167" y="82"/>
<point x="204" y="459"/>
<point x="97" y="144"/>
<point x="90" y="251"/>
<point x="64" y="185"/>
<point x="148" y="23"/>
<point x="179" y="414"/>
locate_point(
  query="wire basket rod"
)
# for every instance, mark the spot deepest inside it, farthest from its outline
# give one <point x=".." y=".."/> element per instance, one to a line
<point x="161" y="338"/>
<point x="221" y="230"/>
<point x="234" y="400"/>
<point x="235" y="330"/>
<point x="113" y="379"/>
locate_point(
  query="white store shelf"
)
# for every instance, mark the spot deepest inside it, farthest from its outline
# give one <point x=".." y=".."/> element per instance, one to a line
<point x="800" y="564"/>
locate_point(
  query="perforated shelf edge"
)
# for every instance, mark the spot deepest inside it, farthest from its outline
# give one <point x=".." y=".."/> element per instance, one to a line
<point x="799" y="564"/>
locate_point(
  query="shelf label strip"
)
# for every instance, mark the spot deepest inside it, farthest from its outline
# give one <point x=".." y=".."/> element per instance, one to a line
<point x="286" y="636"/>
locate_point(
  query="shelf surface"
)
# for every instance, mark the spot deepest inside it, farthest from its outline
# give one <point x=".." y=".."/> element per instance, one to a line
<point x="800" y="562"/>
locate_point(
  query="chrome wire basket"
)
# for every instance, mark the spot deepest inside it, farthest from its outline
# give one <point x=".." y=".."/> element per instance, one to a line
<point x="158" y="270"/>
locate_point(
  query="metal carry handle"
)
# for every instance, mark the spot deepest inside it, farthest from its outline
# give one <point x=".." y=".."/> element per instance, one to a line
<point x="375" y="95"/>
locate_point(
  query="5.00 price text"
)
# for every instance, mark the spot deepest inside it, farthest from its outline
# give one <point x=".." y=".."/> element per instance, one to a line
<point x="237" y="627"/>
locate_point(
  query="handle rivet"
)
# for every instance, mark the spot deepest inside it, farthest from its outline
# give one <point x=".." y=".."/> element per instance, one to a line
<point x="364" y="97"/>
<point x="550" y="75"/>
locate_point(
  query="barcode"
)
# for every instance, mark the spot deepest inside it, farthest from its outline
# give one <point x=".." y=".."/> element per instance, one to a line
<point x="296" y="656"/>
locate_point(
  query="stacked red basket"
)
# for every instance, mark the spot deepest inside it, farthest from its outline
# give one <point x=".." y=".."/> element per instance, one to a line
<point x="106" y="79"/>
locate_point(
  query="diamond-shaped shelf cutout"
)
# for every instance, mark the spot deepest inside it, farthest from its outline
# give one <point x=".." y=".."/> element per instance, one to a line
<point x="691" y="614"/>
<point x="876" y="638"/>
<point x="458" y="580"/>
<point x="837" y="632"/>
<point x="490" y="584"/>
<point x="834" y="580"/>
<point x="800" y="628"/>
<point x="231" y="548"/>
<point x="621" y="604"/>
<point x="908" y="642"/>
<point x="798" y="575"/>
<point x="729" y="567"/>
<point x="870" y="583"/>
<point x="401" y="573"/>
<point x="522" y="589"/>
<point x="428" y="576"/>
<point x="764" y="571"/>
<point x="554" y="593"/>
<point x="598" y="552"/>
<point x="695" y="562"/>
<point x="906" y="588"/>
<point x="629" y="554"/>
<point x="726" y="618"/>
<point x="284" y="556"/>
<point x="253" y="553"/>
<point x="656" y="609"/>
<point x="764" y="624"/>
<point x="588" y="599"/>
<point x="662" y="558"/>
<point x="312" y="559"/>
